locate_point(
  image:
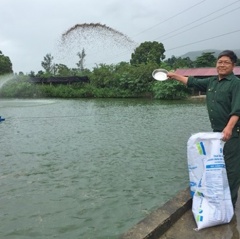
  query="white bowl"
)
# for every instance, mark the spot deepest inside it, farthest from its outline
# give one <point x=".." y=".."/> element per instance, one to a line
<point x="160" y="74"/>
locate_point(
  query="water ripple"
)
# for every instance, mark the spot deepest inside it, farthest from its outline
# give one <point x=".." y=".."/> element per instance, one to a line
<point x="94" y="175"/>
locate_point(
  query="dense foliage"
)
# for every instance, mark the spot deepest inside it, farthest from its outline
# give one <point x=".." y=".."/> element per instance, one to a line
<point x="207" y="59"/>
<point x="5" y="64"/>
<point x="148" y="52"/>
<point x="122" y="80"/>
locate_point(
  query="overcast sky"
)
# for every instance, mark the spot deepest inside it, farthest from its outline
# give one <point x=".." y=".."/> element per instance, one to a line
<point x="30" y="29"/>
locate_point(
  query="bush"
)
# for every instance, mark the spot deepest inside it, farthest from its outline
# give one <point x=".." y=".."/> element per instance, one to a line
<point x="170" y="90"/>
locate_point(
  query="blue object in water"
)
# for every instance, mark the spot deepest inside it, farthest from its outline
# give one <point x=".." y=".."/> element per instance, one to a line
<point x="1" y="119"/>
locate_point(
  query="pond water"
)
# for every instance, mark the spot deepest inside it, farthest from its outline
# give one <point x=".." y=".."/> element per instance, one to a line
<point x="91" y="169"/>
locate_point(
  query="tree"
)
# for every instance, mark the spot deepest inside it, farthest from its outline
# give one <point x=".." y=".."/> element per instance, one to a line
<point x="81" y="56"/>
<point x="207" y="59"/>
<point x="148" y="52"/>
<point x="5" y="64"/>
<point x="48" y="64"/>
<point x="31" y="74"/>
<point x="179" y="62"/>
<point x="62" y="70"/>
<point x="103" y="76"/>
<point x="238" y="62"/>
<point x="40" y="74"/>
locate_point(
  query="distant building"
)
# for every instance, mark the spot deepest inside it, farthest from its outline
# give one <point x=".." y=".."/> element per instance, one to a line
<point x="60" y="80"/>
<point x="203" y="72"/>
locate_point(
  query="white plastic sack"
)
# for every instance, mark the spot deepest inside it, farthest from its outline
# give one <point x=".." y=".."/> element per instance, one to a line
<point x="209" y="186"/>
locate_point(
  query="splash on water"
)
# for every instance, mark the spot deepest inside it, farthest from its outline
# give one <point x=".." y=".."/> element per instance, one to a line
<point x="102" y="44"/>
<point x="4" y="79"/>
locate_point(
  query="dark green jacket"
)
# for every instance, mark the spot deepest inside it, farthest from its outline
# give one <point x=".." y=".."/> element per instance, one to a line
<point x="223" y="98"/>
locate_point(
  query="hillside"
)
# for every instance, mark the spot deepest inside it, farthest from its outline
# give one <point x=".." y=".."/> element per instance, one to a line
<point x="194" y="54"/>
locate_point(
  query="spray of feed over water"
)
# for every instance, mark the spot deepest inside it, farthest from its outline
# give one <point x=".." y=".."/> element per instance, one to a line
<point x="101" y="43"/>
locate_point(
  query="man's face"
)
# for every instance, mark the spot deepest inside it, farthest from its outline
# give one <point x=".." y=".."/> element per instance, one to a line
<point x="224" y="66"/>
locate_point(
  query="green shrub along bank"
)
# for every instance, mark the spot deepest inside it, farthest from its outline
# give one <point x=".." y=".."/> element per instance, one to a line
<point x="24" y="89"/>
<point x="157" y="90"/>
<point x="105" y="82"/>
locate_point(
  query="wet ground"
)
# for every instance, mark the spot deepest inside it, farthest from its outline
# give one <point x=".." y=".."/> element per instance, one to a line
<point x="184" y="228"/>
<point x="174" y="220"/>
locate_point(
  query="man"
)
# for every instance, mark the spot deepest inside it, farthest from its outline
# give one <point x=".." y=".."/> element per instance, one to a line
<point x="223" y="104"/>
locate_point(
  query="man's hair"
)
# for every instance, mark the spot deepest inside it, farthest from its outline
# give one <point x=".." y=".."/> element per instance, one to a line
<point x="229" y="54"/>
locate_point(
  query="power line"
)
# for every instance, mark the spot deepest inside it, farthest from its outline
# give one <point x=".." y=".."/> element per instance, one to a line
<point x="200" y="20"/>
<point x="187" y="9"/>
<point x="192" y="43"/>
<point x="200" y="24"/>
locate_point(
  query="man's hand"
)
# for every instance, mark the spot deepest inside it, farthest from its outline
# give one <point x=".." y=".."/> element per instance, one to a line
<point x="227" y="133"/>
